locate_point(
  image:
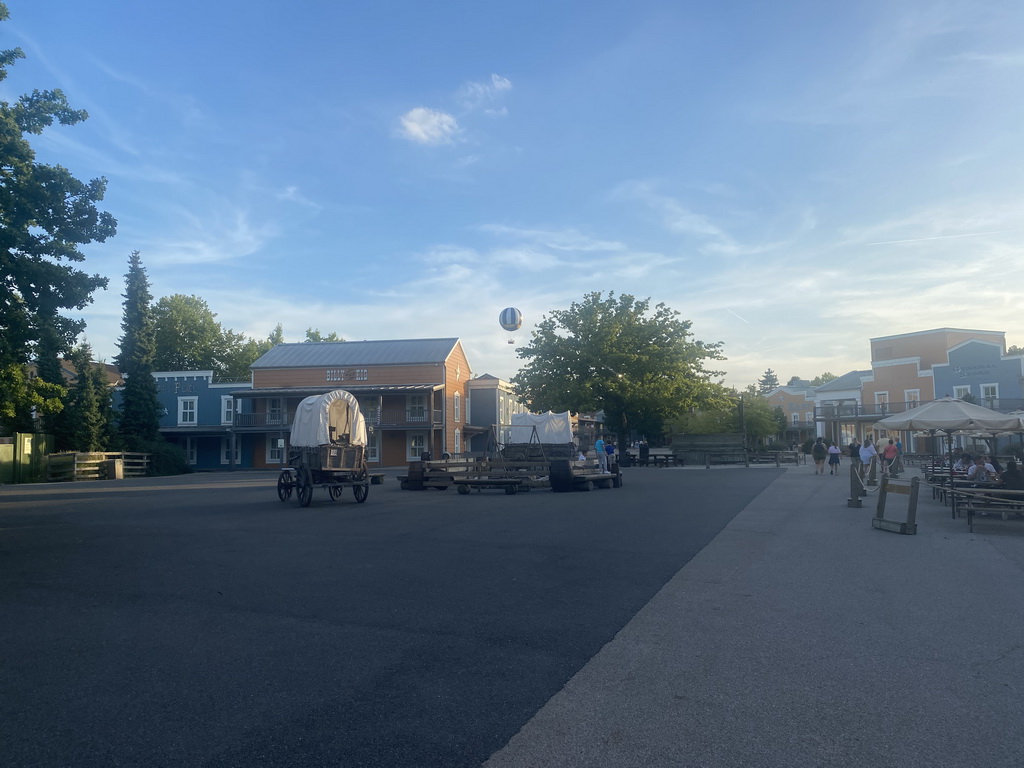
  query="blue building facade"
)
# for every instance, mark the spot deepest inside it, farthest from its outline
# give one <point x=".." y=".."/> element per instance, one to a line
<point x="979" y="369"/>
<point x="199" y="415"/>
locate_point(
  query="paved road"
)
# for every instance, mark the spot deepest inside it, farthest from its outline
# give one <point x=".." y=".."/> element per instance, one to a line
<point x="200" y="621"/>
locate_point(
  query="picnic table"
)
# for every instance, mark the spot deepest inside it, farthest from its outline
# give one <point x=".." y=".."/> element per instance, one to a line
<point x="975" y="499"/>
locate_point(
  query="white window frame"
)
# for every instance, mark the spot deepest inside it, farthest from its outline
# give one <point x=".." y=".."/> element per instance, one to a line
<point x="274" y="455"/>
<point x="796" y="419"/>
<point x="275" y="410"/>
<point x="960" y="390"/>
<point x="188" y="406"/>
<point x="415" y="444"/>
<point x="227" y="409"/>
<point x="911" y="396"/>
<point x="990" y="400"/>
<point x="457" y="407"/>
<point x="458" y="441"/>
<point x="809" y="417"/>
<point x="372" y="452"/>
<point x="414" y="404"/>
<point x="225" y="451"/>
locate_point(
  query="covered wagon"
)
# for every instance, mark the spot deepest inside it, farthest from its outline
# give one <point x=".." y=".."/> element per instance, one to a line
<point x="326" y="449"/>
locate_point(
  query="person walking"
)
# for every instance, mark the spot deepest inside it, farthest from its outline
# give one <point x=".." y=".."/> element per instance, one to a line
<point x="855" y="455"/>
<point x="602" y="457"/>
<point x="868" y="453"/>
<point x="889" y="454"/>
<point x="819" y="453"/>
<point x="834" y="452"/>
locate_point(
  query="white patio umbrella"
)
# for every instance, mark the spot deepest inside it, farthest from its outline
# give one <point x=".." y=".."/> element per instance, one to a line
<point x="950" y="415"/>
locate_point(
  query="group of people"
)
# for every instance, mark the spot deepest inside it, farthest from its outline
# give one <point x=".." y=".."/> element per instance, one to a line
<point x="890" y="457"/>
<point x="985" y="469"/>
<point x="980" y="469"/>
<point x="604" y="449"/>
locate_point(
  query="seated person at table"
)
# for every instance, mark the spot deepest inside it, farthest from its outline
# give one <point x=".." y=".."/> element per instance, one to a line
<point x="964" y="463"/>
<point x="995" y="463"/>
<point x="1012" y="479"/>
<point x="982" y="471"/>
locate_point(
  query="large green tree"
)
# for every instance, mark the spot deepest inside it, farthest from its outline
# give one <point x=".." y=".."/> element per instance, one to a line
<point x="186" y="335"/>
<point x="45" y="215"/>
<point x="140" y="407"/>
<point x="640" y="365"/>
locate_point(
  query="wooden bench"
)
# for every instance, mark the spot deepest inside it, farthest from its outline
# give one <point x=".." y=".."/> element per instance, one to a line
<point x="987" y="501"/>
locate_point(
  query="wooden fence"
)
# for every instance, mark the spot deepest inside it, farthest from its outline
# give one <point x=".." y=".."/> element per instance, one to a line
<point x="65" y="467"/>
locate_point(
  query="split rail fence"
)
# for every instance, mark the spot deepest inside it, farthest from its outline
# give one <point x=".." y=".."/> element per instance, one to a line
<point x="67" y="467"/>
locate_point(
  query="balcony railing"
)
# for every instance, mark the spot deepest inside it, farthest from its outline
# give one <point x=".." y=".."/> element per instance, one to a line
<point x="854" y="411"/>
<point x="262" y="420"/>
<point x="405" y="419"/>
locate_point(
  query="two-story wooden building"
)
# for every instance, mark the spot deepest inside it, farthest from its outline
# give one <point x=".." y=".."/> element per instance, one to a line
<point x="412" y="392"/>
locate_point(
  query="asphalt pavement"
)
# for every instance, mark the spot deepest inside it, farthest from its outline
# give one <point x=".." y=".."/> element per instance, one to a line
<point x="802" y="636"/>
<point x="722" y="617"/>
<point x="199" y="620"/>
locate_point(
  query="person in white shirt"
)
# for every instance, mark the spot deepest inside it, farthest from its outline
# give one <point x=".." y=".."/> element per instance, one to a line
<point x="982" y="471"/>
<point x="868" y="452"/>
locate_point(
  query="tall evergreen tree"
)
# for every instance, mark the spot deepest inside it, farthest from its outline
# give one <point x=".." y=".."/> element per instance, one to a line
<point x="84" y="408"/>
<point x="767" y="383"/>
<point x="140" y="408"/>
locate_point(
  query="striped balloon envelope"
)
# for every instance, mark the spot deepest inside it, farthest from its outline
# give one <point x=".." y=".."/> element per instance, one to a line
<point x="511" y="319"/>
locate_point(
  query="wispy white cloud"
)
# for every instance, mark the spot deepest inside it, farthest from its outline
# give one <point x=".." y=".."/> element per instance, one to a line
<point x="428" y="126"/>
<point x="480" y="95"/>
<point x="568" y="239"/>
<point x="292" y="194"/>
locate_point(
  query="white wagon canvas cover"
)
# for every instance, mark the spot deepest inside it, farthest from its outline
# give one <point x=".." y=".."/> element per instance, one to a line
<point x="551" y="427"/>
<point x="315" y="416"/>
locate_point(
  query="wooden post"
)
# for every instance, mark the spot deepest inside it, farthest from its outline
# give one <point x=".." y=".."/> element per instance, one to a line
<point x="855" y="489"/>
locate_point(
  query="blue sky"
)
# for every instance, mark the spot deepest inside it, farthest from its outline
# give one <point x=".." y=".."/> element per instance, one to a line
<point x="793" y="177"/>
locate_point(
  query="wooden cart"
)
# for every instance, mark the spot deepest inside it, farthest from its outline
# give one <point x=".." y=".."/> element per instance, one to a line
<point x="328" y="442"/>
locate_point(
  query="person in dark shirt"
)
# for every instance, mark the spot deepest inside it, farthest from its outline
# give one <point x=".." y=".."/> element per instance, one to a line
<point x="1012" y="478"/>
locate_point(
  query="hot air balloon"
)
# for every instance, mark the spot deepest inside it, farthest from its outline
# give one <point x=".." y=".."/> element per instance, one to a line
<point x="511" y="320"/>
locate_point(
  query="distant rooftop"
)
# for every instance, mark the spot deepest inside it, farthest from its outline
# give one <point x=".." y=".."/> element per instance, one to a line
<point x="315" y="354"/>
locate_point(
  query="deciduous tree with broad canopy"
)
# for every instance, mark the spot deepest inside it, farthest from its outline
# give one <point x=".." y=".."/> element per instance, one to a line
<point x="640" y="365"/>
<point x="45" y="214"/>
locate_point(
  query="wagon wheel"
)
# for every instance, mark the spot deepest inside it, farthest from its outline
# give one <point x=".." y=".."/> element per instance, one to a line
<point x="335" y="491"/>
<point x="285" y="483"/>
<point x="305" y="487"/>
<point x="510" y="489"/>
<point x="361" y="492"/>
<point x="463" y="489"/>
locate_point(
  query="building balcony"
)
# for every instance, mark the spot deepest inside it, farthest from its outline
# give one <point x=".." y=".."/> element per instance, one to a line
<point x="262" y="421"/>
<point x="876" y="411"/>
<point x="386" y="419"/>
<point x="405" y="419"/>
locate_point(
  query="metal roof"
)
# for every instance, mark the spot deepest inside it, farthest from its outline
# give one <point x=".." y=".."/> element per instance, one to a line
<point x="849" y="380"/>
<point x="316" y="354"/>
<point x="358" y="389"/>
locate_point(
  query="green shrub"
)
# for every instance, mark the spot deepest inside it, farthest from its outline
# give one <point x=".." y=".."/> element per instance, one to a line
<point x="164" y="458"/>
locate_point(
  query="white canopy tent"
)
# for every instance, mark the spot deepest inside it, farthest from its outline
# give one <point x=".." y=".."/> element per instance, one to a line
<point x="551" y="427"/>
<point x="319" y="418"/>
